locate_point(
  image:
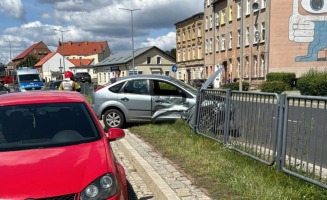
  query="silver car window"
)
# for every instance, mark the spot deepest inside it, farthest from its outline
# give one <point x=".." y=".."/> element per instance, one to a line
<point x="139" y="86"/>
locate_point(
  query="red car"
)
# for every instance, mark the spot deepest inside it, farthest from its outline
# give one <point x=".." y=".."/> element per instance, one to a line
<point x="52" y="146"/>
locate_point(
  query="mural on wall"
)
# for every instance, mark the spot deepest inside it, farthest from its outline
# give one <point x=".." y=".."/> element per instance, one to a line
<point x="308" y="24"/>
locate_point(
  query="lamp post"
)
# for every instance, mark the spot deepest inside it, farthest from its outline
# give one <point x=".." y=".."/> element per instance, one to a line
<point x="132" y="10"/>
<point x="240" y="87"/>
<point x="62" y="46"/>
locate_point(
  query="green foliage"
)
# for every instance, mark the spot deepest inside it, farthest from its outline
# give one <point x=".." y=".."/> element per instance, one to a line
<point x="313" y="83"/>
<point x="29" y="61"/>
<point x="172" y="53"/>
<point x="236" y="86"/>
<point x="285" y="77"/>
<point x="274" y="87"/>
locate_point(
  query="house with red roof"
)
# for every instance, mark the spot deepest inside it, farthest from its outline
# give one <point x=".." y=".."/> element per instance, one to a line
<point x="51" y="67"/>
<point x="38" y="50"/>
<point x="84" y="54"/>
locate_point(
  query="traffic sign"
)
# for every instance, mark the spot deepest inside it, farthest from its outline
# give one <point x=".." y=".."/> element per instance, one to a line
<point x="174" y="68"/>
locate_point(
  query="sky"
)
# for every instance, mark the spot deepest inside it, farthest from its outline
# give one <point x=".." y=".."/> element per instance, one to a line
<point x="25" y="22"/>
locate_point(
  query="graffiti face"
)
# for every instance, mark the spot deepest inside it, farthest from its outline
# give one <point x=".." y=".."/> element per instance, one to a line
<point x="308" y="24"/>
<point x="314" y="6"/>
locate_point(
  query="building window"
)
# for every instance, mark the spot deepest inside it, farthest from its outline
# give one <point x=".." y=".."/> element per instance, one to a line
<point x="263" y="65"/>
<point x="189" y="35"/>
<point x="238" y="67"/>
<point x="206" y="46"/>
<point x="210" y="21"/>
<point x="184" y="55"/>
<point x="255" y="30"/>
<point x="189" y="53"/>
<point x="247" y="35"/>
<point x="166" y="73"/>
<point x="263" y="4"/>
<point x="230" y="65"/>
<point x="255" y="70"/>
<point x="208" y="2"/>
<point x="263" y="31"/>
<point x="210" y="45"/>
<point x="230" y="39"/>
<point x="239" y="10"/>
<point x="247" y="67"/>
<point x="238" y="38"/>
<point x="199" y="31"/>
<point x="248" y="7"/>
<point x="217" y="19"/>
<point x="223" y="16"/>
<point x="230" y="13"/>
<point x="158" y="60"/>
<point x="193" y="33"/>
<point x="217" y="43"/>
<point x="183" y="36"/>
<point x="178" y="56"/>
<point x="223" y="45"/>
<point x="207" y="23"/>
<point x="199" y="52"/>
<point x="193" y="53"/>
<point x="148" y="60"/>
<point x="178" y="37"/>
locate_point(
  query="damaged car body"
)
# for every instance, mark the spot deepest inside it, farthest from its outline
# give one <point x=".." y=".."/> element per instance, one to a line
<point x="142" y="98"/>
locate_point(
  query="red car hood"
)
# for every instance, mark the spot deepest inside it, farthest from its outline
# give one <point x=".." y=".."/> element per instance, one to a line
<point x="51" y="171"/>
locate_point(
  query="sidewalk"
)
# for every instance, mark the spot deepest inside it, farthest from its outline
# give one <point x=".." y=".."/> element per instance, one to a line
<point x="151" y="175"/>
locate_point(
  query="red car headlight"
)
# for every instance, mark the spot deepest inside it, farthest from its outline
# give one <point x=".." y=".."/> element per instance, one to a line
<point x="101" y="188"/>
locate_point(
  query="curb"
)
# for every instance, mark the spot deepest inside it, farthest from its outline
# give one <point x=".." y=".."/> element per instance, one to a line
<point x="153" y="180"/>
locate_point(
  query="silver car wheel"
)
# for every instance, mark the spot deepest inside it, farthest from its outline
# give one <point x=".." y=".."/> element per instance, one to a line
<point x="113" y="119"/>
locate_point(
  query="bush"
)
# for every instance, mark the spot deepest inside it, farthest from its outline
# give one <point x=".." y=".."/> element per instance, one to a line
<point x="236" y="86"/>
<point x="313" y="83"/>
<point x="288" y="78"/>
<point x="274" y="87"/>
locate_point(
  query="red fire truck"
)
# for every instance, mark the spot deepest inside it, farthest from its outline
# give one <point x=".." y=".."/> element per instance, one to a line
<point x="5" y="77"/>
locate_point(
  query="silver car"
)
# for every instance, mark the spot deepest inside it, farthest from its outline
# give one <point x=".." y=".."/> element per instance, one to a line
<point x="142" y="98"/>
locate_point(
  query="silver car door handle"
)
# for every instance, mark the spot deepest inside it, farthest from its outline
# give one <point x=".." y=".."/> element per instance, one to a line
<point x="124" y="99"/>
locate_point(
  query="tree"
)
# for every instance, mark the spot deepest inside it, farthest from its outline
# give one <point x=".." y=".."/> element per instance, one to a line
<point x="172" y="53"/>
<point x="29" y="61"/>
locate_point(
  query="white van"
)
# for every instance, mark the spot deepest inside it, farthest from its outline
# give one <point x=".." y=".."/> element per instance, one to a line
<point x="27" y="78"/>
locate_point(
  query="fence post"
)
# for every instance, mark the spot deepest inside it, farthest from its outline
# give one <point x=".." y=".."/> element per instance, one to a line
<point x="196" y="111"/>
<point x="227" y="115"/>
<point x="281" y="112"/>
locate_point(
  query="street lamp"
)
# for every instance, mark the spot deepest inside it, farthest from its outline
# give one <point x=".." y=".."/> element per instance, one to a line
<point x="131" y="10"/>
<point x="62" y="46"/>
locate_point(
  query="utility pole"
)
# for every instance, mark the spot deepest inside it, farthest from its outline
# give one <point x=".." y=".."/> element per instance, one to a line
<point x="241" y="52"/>
<point x="132" y="10"/>
<point x="62" y="46"/>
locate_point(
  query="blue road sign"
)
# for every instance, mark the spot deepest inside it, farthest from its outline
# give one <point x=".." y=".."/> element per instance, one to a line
<point x="174" y="68"/>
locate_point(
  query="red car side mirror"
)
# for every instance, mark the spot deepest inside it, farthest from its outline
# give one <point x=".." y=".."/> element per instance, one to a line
<point x="115" y="134"/>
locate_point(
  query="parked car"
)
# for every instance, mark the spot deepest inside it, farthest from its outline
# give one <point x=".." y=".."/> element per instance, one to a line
<point x="53" y="147"/>
<point x="83" y="77"/>
<point x="54" y="85"/>
<point x="4" y="89"/>
<point x="142" y="98"/>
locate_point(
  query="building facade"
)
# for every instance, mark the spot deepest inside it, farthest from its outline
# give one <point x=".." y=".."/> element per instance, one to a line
<point x="189" y="48"/>
<point x="227" y="45"/>
<point x="147" y="60"/>
<point x="251" y="38"/>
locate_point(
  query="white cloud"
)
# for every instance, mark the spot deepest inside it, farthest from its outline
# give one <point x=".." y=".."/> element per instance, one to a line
<point x="97" y="20"/>
<point x="13" y="9"/>
<point x="166" y="42"/>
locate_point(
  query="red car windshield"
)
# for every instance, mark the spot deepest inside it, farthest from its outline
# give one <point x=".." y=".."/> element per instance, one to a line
<point x="45" y="125"/>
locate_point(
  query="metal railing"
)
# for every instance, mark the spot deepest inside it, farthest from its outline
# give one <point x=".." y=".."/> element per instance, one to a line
<point x="289" y="131"/>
